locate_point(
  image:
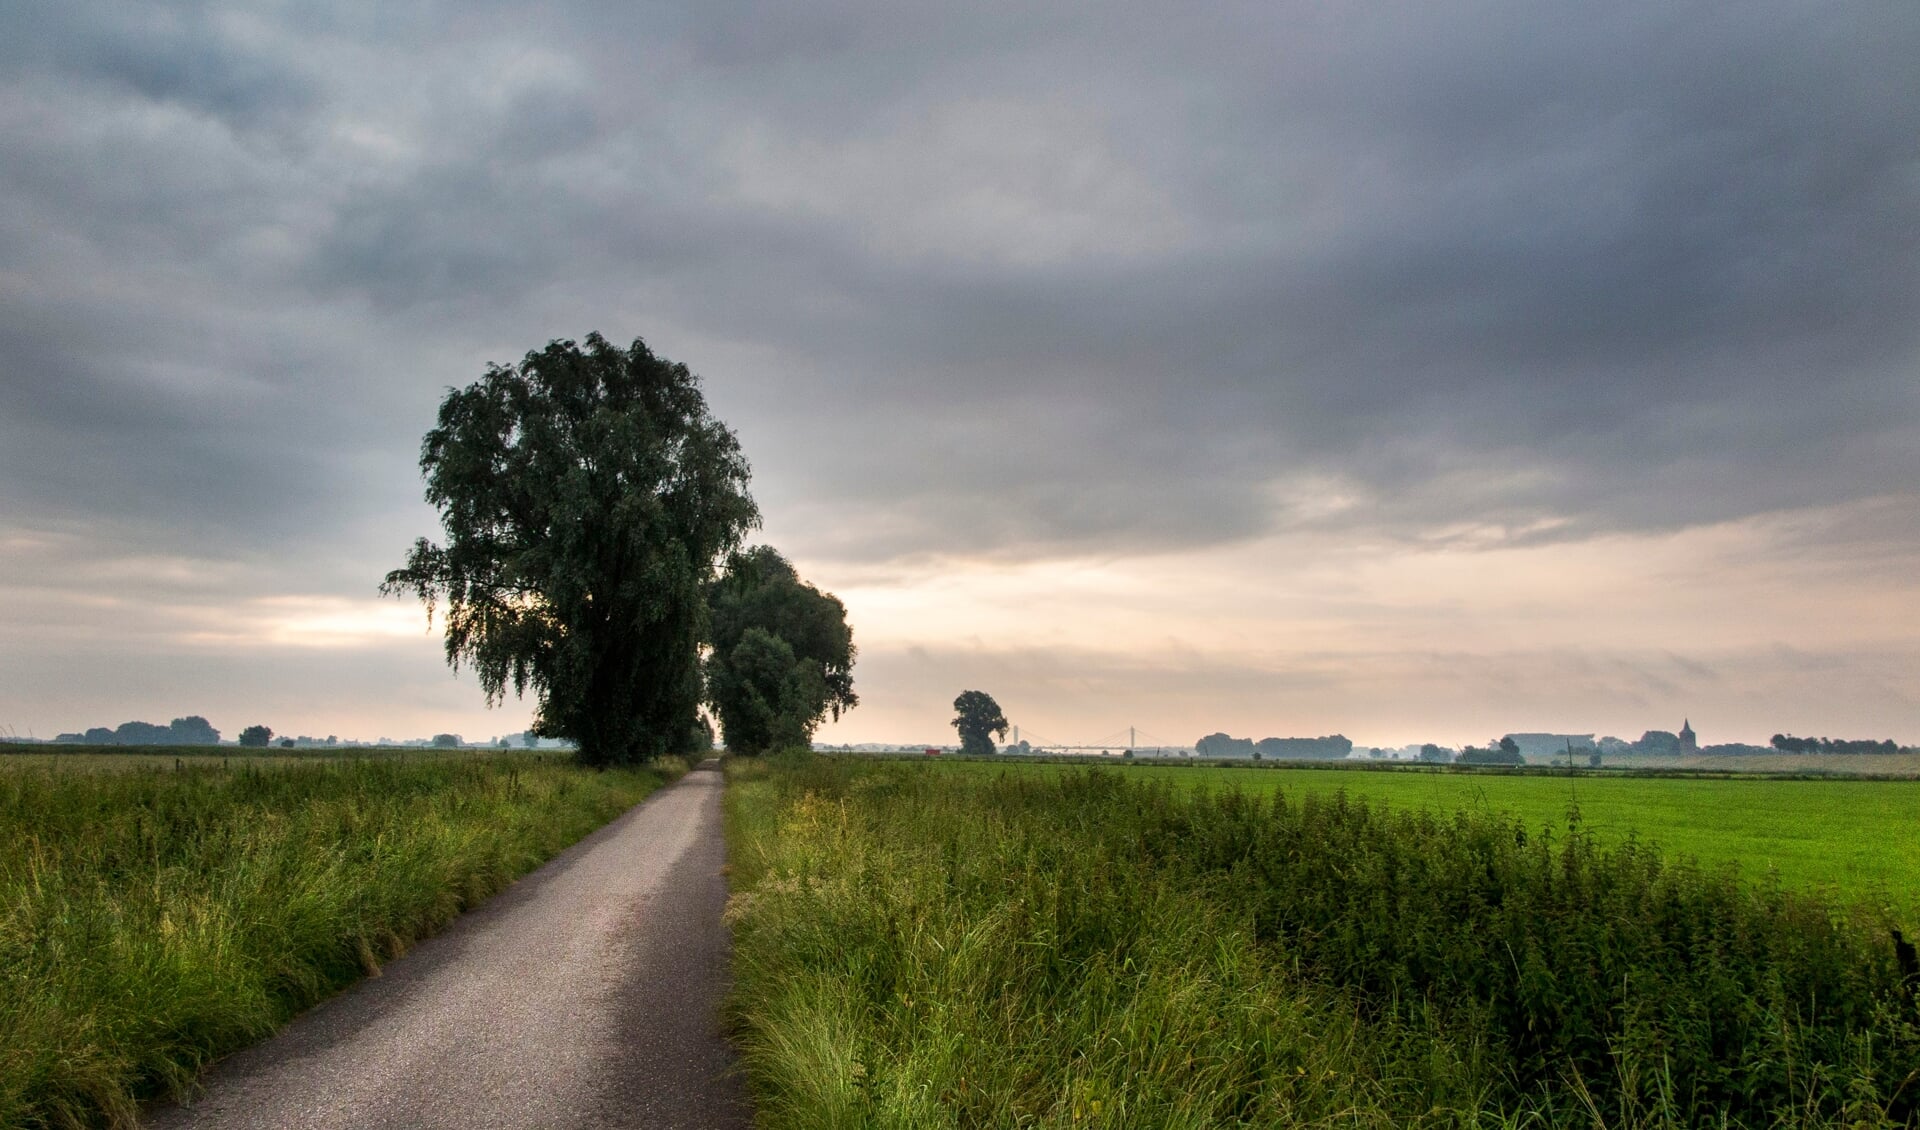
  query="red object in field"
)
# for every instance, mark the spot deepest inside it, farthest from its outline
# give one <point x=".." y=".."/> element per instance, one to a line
<point x="932" y="753"/>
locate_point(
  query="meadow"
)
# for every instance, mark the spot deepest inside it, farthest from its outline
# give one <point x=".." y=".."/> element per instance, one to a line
<point x="1851" y="840"/>
<point x="153" y="918"/>
<point x="946" y="945"/>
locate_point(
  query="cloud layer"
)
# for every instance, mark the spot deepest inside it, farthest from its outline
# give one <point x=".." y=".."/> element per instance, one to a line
<point x="1004" y="282"/>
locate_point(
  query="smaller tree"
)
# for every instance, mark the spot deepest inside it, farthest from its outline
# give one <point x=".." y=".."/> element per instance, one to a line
<point x="979" y="720"/>
<point x="782" y="657"/>
<point x="256" y="736"/>
<point x="767" y="697"/>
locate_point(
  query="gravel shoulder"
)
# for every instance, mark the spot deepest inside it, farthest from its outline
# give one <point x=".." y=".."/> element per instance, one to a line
<point x="585" y="995"/>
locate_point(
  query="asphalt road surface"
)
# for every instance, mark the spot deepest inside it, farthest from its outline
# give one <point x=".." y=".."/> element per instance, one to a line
<point x="585" y="995"/>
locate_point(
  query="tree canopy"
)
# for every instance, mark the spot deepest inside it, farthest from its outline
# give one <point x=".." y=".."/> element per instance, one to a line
<point x="979" y="720"/>
<point x="586" y="495"/>
<point x="782" y="655"/>
<point x="191" y="730"/>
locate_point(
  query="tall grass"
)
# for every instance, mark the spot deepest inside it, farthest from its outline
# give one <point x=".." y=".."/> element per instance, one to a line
<point x="152" y="920"/>
<point x="921" y="948"/>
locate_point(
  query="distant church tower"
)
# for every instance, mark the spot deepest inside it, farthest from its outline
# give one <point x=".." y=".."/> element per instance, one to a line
<point x="1688" y="743"/>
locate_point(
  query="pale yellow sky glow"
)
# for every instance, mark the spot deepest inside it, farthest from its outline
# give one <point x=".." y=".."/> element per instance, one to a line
<point x="1390" y="643"/>
<point x="1747" y="627"/>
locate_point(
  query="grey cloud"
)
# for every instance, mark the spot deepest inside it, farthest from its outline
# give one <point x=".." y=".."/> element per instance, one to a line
<point x="1025" y="280"/>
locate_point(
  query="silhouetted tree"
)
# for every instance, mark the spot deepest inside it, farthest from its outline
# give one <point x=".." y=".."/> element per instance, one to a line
<point x="1502" y="752"/>
<point x="193" y="730"/>
<point x="587" y="495"/>
<point x="979" y="720"/>
<point x="256" y="736"/>
<point x="1658" y="741"/>
<point x="1786" y="743"/>
<point x="1325" y="748"/>
<point x="760" y="705"/>
<point x="1223" y="745"/>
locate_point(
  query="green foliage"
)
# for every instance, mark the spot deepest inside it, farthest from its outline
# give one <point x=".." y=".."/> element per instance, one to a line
<point x="1503" y="752"/>
<point x="925" y="945"/>
<point x="782" y="654"/>
<point x="586" y="495"/>
<point x="256" y="737"/>
<point x="979" y="720"/>
<point x="1569" y="961"/>
<point x="765" y="694"/>
<point x="153" y="920"/>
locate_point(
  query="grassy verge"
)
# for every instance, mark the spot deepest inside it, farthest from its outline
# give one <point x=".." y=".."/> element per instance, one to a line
<point x="918" y="947"/>
<point x="154" y="919"/>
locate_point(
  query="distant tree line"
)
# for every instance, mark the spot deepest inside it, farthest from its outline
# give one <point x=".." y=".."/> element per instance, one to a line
<point x="1506" y="751"/>
<point x="1787" y="743"/>
<point x="191" y="730"/>
<point x="1329" y="748"/>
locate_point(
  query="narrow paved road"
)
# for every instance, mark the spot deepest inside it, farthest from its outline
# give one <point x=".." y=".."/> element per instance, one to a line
<point x="585" y="995"/>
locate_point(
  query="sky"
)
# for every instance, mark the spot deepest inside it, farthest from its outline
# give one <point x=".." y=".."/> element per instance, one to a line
<point x="1411" y="371"/>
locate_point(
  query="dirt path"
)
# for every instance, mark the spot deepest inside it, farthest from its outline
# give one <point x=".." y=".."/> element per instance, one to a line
<point x="583" y="996"/>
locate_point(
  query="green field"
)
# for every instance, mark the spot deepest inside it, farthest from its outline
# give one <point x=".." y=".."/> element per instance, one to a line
<point x="970" y="944"/>
<point x="1852" y="840"/>
<point x="153" y="918"/>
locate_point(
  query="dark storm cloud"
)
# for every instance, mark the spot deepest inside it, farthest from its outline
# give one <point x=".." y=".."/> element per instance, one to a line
<point x="1027" y="280"/>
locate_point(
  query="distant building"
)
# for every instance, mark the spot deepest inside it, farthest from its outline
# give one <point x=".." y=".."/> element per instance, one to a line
<point x="1688" y="743"/>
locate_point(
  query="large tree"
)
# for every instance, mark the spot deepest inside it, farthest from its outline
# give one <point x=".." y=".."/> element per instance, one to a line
<point x="782" y="655"/>
<point x="979" y="720"/>
<point x="587" y="495"/>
